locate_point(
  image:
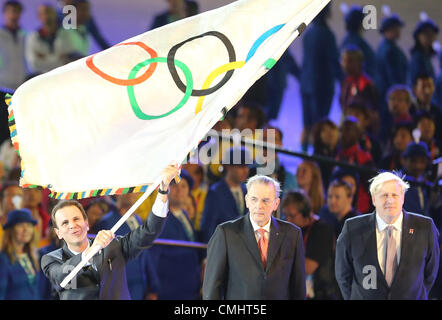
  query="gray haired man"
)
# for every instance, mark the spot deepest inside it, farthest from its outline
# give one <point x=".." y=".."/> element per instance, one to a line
<point x="390" y="253"/>
<point x="256" y="257"/>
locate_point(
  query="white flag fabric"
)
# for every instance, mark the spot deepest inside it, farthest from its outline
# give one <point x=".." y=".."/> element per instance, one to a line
<point x="109" y="123"/>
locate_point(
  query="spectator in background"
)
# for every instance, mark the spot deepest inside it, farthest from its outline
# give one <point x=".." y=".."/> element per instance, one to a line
<point x="320" y="69"/>
<point x="179" y="268"/>
<point x="351" y="177"/>
<point x="426" y="125"/>
<point x="365" y="116"/>
<point x="325" y="141"/>
<point x="218" y="147"/>
<point x="47" y="48"/>
<point x="19" y="267"/>
<point x="96" y="209"/>
<point x="141" y="276"/>
<point x="423" y="89"/>
<point x="350" y="151"/>
<point x="400" y="138"/>
<point x="353" y="24"/>
<point x="178" y="9"/>
<point x="90" y="24"/>
<point x="32" y="198"/>
<point x="399" y="103"/>
<point x="11" y="197"/>
<point x="318" y="243"/>
<point x="280" y="173"/>
<point x="309" y="180"/>
<point x="339" y="206"/>
<point x="225" y="199"/>
<point x="422" y="52"/>
<point x="249" y="118"/>
<point x="78" y="38"/>
<point x="357" y="86"/>
<point x="391" y="66"/>
<point x="198" y="192"/>
<point x="416" y="162"/>
<point x="12" y="50"/>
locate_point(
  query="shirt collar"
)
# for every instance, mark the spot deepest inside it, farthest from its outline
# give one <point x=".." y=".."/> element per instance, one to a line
<point x="381" y="225"/>
<point x="75" y="252"/>
<point x="256" y="227"/>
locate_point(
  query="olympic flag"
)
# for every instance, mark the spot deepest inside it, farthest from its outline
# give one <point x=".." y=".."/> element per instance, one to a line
<point x="109" y="123"/>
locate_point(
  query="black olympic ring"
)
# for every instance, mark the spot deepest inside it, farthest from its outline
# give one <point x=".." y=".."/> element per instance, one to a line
<point x="174" y="73"/>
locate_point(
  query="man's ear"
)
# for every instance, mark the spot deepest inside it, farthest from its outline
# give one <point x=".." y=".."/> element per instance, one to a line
<point x="278" y="200"/>
<point x="372" y="200"/>
<point x="57" y="233"/>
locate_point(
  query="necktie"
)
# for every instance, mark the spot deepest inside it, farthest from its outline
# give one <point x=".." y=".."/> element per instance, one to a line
<point x="390" y="259"/>
<point x="263" y="245"/>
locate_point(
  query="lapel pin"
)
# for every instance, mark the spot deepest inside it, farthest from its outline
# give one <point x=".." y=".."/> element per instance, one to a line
<point x="411" y="231"/>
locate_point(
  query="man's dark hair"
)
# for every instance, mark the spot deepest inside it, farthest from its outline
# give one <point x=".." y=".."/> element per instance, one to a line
<point x="13" y="3"/>
<point x="421" y="76"/>
<point x="337" y="183"/>
<point x="63" y="204"/>
<point x="300" y="200"/>
<point x="255" y="113"/>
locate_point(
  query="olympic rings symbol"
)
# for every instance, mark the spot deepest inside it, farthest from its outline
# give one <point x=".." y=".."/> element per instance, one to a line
<point x="173" y="63"/>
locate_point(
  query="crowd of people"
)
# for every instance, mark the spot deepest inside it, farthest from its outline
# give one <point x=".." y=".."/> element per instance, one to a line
<point x="391" y="108"/>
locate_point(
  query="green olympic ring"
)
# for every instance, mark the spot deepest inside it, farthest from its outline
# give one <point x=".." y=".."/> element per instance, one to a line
<point x="130" y="89"/>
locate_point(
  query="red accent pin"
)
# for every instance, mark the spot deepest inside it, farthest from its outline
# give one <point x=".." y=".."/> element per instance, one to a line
<point x="411" y="231"/>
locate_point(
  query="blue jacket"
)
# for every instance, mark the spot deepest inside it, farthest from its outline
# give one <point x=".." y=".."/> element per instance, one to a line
<point x="320" y="65"/>
<point x="140" y="272"/>
<point x="391" y="67"/>
<point x="47" y="291"/>
<point x="178" y="268"/>
<point x="420" y="63"/>
<point x="14" y="283"/>
<point x="220" y="206"/>
<point x="354" y="38"/>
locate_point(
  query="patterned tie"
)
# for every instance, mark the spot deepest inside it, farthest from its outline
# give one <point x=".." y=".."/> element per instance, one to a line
<point x="263" y="245"/>
<point x="390" y="259"/>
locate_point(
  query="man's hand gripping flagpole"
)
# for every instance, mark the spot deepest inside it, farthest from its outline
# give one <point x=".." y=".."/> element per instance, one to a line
<point x="168" y="174"/>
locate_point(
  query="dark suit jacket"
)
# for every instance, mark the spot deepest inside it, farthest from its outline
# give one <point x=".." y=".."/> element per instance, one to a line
<point x="234" y="270"/>
<point x="357" y="248"/>
<point x="109" y="280"/>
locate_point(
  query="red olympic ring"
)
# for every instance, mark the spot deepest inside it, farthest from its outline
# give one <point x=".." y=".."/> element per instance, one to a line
<point x="126" y="82"/>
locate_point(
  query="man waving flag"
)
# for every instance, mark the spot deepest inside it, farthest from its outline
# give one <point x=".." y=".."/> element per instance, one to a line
<point x="109" y="123"/>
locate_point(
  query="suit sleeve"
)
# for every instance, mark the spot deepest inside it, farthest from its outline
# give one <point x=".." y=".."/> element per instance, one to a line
<point x="297" y="278"/>
<point x="343" y="263"/>
<point x="142" y="237"/>
<point x="214" y="283"/>
<point x="56" y="270"/>
<point x="432" y="259"/>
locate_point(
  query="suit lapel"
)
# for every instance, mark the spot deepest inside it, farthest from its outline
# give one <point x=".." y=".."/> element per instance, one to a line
<point x="275" y="242"/>
<point x="248" y="236"/>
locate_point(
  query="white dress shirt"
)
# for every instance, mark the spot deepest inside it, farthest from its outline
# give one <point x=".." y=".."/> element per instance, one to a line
<point x="381" y="238"/>
<point x="256" y="227"/>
